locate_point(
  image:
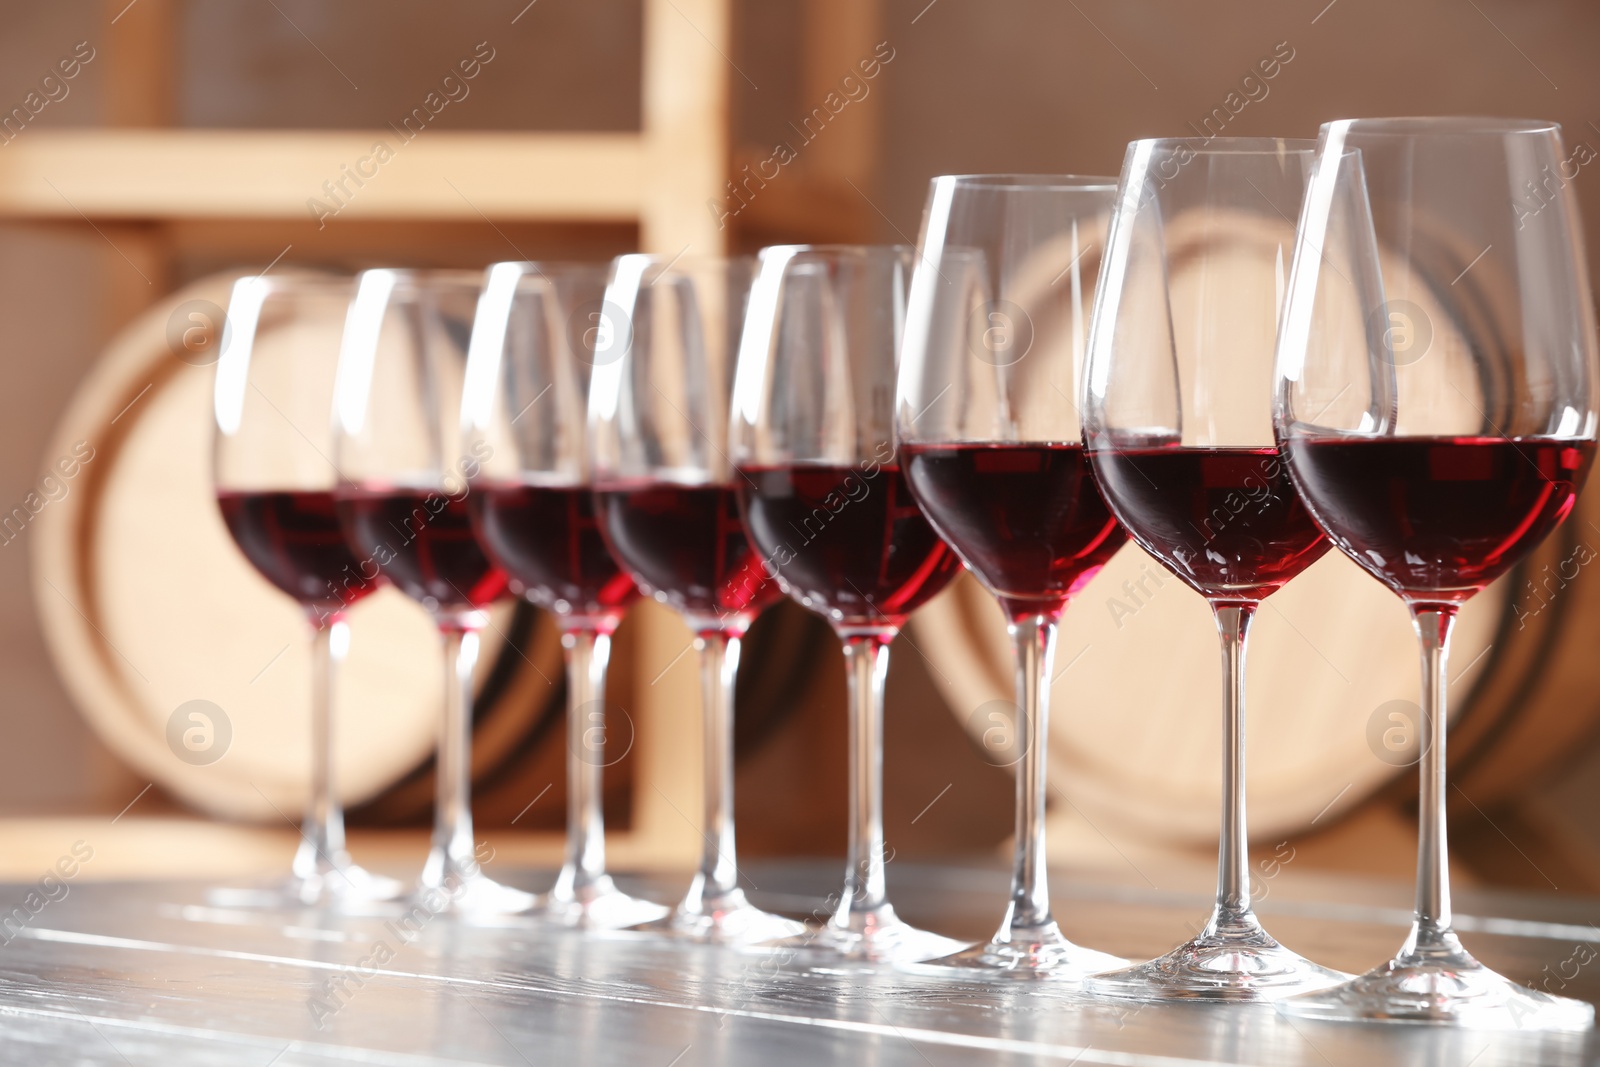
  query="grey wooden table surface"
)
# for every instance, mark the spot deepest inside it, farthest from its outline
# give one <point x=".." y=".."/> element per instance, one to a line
<point x="156" y="973"/>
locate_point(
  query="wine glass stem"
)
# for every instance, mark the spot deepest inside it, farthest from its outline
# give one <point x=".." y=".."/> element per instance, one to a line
<point x="587" y="653"/>
<point x="452" y="856"/>
<point x="867" y="665"/>
<point x="322" y="833"/>
<point x="1433" y="624"/>
<point x="1035" y="641"/>
<point x="1233" y="852"/>
<point x="719" y="666"/>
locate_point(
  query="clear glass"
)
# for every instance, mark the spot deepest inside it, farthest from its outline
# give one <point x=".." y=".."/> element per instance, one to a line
<point x="824" y="501"/>
<point x="658" y="424"/>
<point x="1436" y="400"/>
<point x="275" y="485"/>
<point x="523" y="425"/>
<point x="995" y="329"/>
<point x="1178" y="421"/>
<point x="403" y="505"/>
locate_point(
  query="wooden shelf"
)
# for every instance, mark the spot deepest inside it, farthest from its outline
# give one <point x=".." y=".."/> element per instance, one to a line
<point x="242" y="196"/>
<point x="164" y="174"/>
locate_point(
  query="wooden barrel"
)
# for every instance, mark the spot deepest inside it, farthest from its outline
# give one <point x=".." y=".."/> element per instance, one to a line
<point x="147" y="605"/>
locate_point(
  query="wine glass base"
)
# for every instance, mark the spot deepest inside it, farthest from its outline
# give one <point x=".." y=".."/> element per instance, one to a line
<point x="476" y="894"/>
<point x="598" y="906"/>
<point x="727" y="920"/>
<point x="341" y="887"/>
<point x="872" y="940"/>
<point x="1237" y="961"/>
<point x="1444" y="989"/>
<point x="1042" y="954"/>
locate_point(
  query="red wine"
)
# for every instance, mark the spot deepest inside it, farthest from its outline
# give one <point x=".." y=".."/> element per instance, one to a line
<point x="1028" y="519"/>
<point x="421" y="540"/>
<point x="850" y="544"/>
<point x="686" y="544"/>
<point x="292" y="537"/>
<point x="1439" y="518"/>
<point x="548" y="540"/>
<point x="1225" y="520"/>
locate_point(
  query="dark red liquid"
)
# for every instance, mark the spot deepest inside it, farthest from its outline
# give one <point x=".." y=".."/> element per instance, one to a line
<point x="1439" y="518"/>
<point x="848" y="543"/>
<point x="1226" y="520"/>
<point x="548" y="540"/>
<point x="687" y="544"/>
<point x="293" y="538"/>
<point x="421" y="540"/>
<point x="1028" y="519"/>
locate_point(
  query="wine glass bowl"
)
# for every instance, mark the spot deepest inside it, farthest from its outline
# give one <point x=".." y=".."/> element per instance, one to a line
<point x="1178" y="422"/>
<point x="1436" y="402"/>
<point x="275" y="488"/>
<point x="813" y="433"/>
<point x="659" y="428"/>
<point x="992" y="446"/>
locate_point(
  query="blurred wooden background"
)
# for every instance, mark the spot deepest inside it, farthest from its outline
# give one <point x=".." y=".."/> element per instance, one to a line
<point x="959" y="85"/>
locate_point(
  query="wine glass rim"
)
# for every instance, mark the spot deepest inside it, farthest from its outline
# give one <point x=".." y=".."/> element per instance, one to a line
<point x="430" y="277"/>
<point x="1021" y="181"/>
<point x="657" y="259"/>
<point x="1443" y="125"/>
<point x="549" y="266"/>
<point x="1232" y="146"/>
<point x="842" y="250"/>
<point x="303" y="280"/>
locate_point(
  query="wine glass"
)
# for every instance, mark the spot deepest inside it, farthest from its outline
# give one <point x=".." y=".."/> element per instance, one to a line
<point x="1436" y="401"/>
<point x="275" y="487"/>
<point x="403" y="502"/>
<point x="993" y="453"/>
<point x="825" y="502"/>
<point x="1178" y="421"/>
<point x="523" y="415"/>
<point x="658" y="428"/>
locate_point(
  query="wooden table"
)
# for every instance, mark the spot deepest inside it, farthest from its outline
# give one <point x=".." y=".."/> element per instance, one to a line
<point x="126" y="973"/>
